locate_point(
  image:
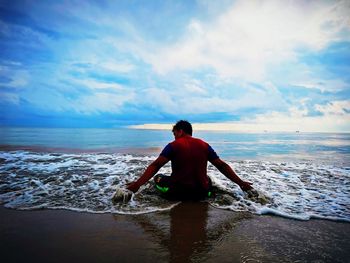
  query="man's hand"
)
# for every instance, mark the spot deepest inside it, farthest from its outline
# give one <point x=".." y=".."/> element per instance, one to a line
<point x="133" y="186"/>
<point x="245" y="186"/>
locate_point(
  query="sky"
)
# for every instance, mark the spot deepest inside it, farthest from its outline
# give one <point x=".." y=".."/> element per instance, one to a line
<point x="223" y="65"/>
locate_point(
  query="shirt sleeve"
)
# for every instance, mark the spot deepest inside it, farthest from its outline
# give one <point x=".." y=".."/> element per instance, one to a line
<point x="167" y="151"/>
<point x="212" y="154"/>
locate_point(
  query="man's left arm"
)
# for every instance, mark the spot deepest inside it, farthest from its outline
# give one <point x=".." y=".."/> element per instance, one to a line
<point x="226" y="170"/>
<point x="151" y="170"/>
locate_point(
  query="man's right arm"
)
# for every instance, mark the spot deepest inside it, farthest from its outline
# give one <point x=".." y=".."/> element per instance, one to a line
<point x="151" y="170"/>
<point x="226" y="170"/>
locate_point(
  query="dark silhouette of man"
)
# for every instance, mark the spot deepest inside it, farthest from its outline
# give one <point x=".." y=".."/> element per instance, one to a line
<point x="189" y="157"/>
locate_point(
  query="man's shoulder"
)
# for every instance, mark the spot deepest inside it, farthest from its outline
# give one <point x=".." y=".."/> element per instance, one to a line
<point x="201" y="141"/>
<point x="188" y="138"/>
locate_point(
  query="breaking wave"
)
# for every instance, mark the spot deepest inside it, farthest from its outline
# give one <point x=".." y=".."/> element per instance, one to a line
<point x="86" y="182"/>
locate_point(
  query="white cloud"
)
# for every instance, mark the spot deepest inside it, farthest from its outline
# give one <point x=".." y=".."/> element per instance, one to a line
<point x="296" y="121"/>
<point x="97" y="102"/>
<point x="271" y="123"/>
<point x="252" y="36"/>
<point x="18" y="78"/>
<point x="85" y="61"/>
<point x="85" y="68"/>
<point x="193" y="99"/>
<point x="335" y="108"/>
<point x="195" y="87"/>
<point x="9" y="97"/>
<point x="116" y="67"/>
<point x="94" y="84"/>
<point x="200" y="105"/>
<point x="336" y="118"/>
<point x="12" y="63"/>
<point x="323" y="84"/>
<point x="160" y="99"/>
<point x="101" y="102"/>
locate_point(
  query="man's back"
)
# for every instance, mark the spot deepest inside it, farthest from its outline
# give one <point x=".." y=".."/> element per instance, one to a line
<point x="189" y="157"/>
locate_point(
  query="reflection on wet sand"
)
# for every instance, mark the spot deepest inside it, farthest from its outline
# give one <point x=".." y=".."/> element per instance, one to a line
<point x="197" y="232"/>
<point x="187" y="232"/>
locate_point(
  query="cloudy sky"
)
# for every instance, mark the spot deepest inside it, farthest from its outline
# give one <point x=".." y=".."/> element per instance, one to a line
<point x="240" y="65"/>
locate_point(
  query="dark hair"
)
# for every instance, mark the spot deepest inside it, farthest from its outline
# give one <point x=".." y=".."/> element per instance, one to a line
<point x="183" y="125"/>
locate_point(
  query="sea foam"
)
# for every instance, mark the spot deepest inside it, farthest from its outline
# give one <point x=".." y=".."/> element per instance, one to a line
<point x="87" y="182"/>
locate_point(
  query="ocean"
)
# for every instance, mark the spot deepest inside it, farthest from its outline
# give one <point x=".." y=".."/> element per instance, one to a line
<point x="303" y="175"/>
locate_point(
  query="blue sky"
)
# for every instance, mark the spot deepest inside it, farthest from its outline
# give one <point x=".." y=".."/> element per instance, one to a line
<point x="236" y="65"/>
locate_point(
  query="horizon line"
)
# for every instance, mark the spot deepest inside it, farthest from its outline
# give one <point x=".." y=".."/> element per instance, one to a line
<point x="228" y="127"/>
<point x="196" y="127"/>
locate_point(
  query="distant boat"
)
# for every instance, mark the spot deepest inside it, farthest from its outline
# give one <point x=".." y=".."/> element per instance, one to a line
<point x="297" y="131"/>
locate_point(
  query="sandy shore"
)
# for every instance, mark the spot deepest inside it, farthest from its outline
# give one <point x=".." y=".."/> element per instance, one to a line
<point x="190" y="232"/>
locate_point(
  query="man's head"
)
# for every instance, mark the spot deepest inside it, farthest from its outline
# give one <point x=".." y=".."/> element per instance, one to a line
<point x="182" y="127"/>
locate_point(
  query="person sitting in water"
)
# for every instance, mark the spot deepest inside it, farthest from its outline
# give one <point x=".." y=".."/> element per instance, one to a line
<point x="189" y="157"/>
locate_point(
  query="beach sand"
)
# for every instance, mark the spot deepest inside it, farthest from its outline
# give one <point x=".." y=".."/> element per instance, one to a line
<point x="190" y="232"/>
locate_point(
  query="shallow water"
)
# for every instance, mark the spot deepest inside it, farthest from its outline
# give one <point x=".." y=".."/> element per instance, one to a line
<point x="87" y="181"/>
<point x="321" y="147"/>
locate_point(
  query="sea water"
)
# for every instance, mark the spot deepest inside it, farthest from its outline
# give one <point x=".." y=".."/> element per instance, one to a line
<point x="303" y="175"/>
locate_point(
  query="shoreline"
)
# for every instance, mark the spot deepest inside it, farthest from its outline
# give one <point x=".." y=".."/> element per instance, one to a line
<point x="189" y="232"/>
<point x="65" y="150"/>
<point x="155" y="151"/>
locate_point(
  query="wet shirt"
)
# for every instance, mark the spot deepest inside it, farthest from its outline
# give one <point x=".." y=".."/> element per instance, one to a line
<point x="189" y="158"/>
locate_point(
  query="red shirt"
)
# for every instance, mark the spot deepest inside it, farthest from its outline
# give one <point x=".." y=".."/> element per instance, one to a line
<point x="189" y="158"/>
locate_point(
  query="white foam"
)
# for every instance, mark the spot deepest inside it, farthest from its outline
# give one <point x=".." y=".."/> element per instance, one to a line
<point x="85" y="182"/>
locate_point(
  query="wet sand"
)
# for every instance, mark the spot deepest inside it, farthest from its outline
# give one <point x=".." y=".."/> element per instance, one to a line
<point x="190" y="232"/>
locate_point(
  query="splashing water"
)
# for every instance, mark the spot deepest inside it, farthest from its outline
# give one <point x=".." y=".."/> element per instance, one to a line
<point x="88" y="181"/>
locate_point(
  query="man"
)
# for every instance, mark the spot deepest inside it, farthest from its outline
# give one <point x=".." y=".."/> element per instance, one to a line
<point x="189" y="157"/>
